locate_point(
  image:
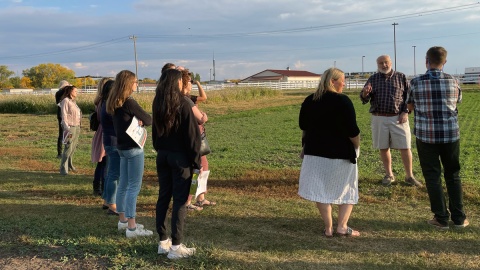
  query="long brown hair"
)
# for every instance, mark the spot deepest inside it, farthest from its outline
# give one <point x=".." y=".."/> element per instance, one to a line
<point x="67" y="91"/>
<point x="122" y="89"/>
<point x="100" y="85"/>
<point x="167" y="102"/>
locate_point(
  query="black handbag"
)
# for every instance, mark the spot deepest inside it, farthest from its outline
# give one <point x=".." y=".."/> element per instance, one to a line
<point x="94" y="123"/>
<point x="204" y="147"/>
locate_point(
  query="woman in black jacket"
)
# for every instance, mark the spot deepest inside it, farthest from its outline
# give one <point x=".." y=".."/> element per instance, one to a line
<point x="331" y="141"/>
<point x="176" y="138"/>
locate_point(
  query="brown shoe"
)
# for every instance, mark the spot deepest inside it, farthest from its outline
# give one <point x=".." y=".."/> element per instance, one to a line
<point x="413" y="182"/>
<point x="434" y="222"/>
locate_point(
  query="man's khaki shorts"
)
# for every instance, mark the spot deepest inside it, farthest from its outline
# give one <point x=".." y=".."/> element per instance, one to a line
<point x="388" y="133"/>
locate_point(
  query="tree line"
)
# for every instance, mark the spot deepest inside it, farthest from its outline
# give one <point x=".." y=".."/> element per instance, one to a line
<point x="49" y="75"/>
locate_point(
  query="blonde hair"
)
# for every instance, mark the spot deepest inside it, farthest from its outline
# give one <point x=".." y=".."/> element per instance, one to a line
<point x="326" y="82"/>
<point x="121" y="90"/>
<point x="100" y="85"/>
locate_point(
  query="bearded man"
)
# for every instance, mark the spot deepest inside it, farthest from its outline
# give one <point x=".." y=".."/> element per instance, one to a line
<point x="387" y="91"/>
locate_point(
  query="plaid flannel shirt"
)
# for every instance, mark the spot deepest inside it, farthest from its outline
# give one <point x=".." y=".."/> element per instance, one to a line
<point x="389" y="93"/>
<point x="435" y="96"/>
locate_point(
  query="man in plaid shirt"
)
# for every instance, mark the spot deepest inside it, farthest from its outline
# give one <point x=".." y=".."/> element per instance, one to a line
<point x="434" y="97"/>
<point x="386" y="91"/>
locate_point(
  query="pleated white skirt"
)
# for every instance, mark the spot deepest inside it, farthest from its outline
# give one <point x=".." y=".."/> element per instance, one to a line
<point x="332" y="181"/>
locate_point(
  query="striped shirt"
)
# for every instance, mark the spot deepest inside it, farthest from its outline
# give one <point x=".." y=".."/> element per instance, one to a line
<point x="389" y="93"/>
<point x="435" y="96"/>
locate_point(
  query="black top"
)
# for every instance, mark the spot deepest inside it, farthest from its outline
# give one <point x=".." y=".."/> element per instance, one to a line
<point x="58" y="96"/>
<point x="108" y="131"/>
<point x="186" y="138"/>
<point x="123" y="118"/>
<point x="328" y="125"/>
<point x="194" y="98"/>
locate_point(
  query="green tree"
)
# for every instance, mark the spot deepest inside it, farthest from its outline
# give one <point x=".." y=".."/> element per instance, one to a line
<point x="4" y="75"/>
<point x="15" y="82"/>
<point x="148" y="80"/>
<point x="197" y="77"/>
<point x="48" y="75"/>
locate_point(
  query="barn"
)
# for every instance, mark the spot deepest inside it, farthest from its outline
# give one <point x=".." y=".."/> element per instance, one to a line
<point x="279" y="75"/>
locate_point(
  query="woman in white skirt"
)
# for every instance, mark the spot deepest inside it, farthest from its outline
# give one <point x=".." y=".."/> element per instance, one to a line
<point x="331" y="141"/>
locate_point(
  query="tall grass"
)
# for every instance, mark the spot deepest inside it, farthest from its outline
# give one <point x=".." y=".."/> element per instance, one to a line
<point x="45" y="104"/>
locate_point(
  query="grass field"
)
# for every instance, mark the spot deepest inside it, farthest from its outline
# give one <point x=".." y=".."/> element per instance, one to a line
<point x="53" y="222"/>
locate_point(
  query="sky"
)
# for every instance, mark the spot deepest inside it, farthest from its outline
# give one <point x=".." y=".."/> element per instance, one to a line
<point x="101" y="38"/>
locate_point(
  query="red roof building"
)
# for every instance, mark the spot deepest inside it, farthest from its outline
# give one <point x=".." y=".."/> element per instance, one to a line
<point x="283" y="75"/>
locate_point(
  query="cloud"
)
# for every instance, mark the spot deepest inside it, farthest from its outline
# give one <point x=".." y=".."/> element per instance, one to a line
<point x="79" y="66"/>
<point x="299" y="65"/>
<point x="284" y="16"/>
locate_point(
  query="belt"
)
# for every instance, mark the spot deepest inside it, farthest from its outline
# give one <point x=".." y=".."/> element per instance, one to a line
<point x="385" y="114"/>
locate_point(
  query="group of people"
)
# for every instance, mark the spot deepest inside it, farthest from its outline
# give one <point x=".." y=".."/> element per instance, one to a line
<point x="331" y="142"/>
<point x="177" y="124"/>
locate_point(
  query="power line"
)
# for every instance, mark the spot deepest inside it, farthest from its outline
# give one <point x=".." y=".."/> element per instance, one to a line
<point x="76" y="49"/>
<point x="321" y="27"/>
<point x="262" y="33"/>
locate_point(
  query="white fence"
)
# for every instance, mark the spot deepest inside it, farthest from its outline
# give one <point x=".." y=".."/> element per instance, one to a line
<point x="349" y="85"/>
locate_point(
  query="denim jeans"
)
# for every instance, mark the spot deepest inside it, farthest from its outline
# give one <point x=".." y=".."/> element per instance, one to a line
<point x="448" y="154"/>
<point x="113" y="173"/>
<point x="131" y="174"/>
<point x="174" y="177"/>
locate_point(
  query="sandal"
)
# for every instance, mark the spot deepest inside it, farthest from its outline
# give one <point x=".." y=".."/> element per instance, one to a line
<point x="193" y="207"/>
<point x="327" y="235"/>
<point x="205" y="202"/>
<point x="348" y="233"/>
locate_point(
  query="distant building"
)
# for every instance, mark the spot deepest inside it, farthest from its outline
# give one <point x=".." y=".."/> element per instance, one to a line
<point x="17" y="91"/>
<point x="365" y="74"/>
<point x="282" y="75"/>
<point x="472" y="75"/>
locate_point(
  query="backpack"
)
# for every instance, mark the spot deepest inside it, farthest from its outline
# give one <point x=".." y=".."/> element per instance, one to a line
<point x="93" y="121"/>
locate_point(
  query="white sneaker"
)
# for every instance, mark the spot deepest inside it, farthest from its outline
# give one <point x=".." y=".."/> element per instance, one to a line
<point x="181" y="252"/>
<point x="138" y="232"/>
<point x="163" y="248"/>
<point x="124" y="226"/>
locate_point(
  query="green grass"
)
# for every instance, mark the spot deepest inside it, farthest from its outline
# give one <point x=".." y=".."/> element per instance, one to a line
<point x="50" y="221"/>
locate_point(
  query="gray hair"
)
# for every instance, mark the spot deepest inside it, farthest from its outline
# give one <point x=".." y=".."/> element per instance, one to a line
<point x="63" y="83"/>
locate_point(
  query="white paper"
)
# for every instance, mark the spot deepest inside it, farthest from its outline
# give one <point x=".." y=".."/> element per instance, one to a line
<point x="137" y="132"/>
<point x="202" y="183"/>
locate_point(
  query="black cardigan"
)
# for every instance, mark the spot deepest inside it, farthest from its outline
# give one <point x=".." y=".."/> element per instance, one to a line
<point x="328" y="125"/>
<point x="123" y="118"/>
<point x="186" y="138"/>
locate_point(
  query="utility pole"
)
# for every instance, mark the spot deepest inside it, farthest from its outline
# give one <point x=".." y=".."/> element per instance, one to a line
<point x="414" y="66"/>
<point x="214" y="66"/>
<point x="362" y="64"/>
<point x="135" y="51"/>
<point x="395" y="45"/>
